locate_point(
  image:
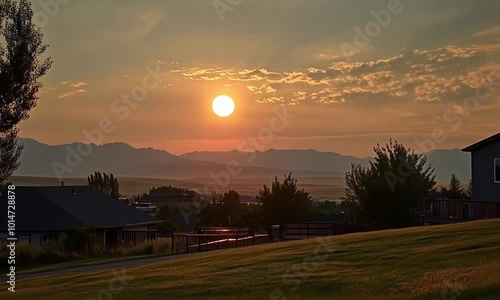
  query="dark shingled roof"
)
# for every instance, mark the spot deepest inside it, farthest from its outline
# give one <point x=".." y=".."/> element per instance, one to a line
<point x="63" y="208"/>
<point x="481" y="143"/>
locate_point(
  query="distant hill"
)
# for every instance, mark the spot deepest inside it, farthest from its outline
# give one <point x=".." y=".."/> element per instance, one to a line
<point x="122" y="159"/>
<point x="445" y="162"/>
<point x="310" y="160"/>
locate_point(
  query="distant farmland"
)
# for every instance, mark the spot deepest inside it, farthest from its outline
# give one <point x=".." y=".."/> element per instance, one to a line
<point x="321" y="188"/>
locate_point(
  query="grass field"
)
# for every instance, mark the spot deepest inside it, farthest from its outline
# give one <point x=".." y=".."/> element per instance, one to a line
<point x="460" y="261"/>
<point x="81" y="263"/>
<point x="330" y="188"/>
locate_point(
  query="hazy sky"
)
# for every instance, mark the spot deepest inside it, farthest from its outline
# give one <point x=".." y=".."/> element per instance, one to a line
<point x="348" y="81"/>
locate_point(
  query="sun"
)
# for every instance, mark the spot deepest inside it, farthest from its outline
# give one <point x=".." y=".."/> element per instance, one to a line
<point x="223" y="106"/>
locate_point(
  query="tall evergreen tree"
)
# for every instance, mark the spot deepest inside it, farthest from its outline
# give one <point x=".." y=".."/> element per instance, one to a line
<point x="105" y="183"/>
<point x="455" y="190"/>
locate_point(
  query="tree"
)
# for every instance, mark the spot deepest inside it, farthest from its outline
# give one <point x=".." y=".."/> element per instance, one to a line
<point x="229" y="207"/>
<point x="105" y="183"/>
<point x="20" y="70"/>
<point x="455" y="190"/>
<point x="387" y="191"/>
<point x="249" y="216"/>
<point x="81" y="240"/>
<point x="164" y="215"/>
<point x="468" y="191"/>
<point x="284" y="202"/>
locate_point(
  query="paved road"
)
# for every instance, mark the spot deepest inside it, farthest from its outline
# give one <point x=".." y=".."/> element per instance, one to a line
<point x="117" y="265"/>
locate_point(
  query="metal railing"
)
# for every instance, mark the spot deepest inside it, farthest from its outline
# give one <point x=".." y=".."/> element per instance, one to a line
<point x="298" y="231"/>
<point x="187" y="243"/>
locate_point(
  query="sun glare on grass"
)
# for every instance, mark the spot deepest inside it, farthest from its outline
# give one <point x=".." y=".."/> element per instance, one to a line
<point x="223" y="106"/>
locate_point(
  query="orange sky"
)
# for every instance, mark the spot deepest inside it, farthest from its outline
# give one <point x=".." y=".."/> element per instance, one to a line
<point x="433" y="68"/>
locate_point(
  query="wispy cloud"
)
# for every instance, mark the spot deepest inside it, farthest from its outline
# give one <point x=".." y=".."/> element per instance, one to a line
<point x="72" y="93"/>
<point x="425" y="75"/>
<point x="78" y="84"/>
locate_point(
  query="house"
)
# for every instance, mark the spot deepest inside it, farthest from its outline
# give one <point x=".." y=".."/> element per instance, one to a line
<point x="48" y="213"/>
<point x="485" y="198"/>
<point x="485" y="159"/>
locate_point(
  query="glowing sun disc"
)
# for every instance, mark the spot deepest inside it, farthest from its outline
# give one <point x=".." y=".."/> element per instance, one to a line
<point x="223" y="106"/>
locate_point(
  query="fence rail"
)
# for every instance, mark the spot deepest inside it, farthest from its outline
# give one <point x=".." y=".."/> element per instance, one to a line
<point x="459" y="209"/>
<point x="187" y="243"/>
<point x="299" y="231"/>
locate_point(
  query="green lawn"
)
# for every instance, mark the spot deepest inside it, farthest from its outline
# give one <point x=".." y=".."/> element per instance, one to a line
<point x="460" y="261"/>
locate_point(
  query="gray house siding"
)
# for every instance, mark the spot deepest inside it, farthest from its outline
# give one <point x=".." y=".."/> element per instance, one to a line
<point x="484" y="187"/>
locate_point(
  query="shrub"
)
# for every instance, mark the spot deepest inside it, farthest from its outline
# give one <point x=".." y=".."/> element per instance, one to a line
<point x="81" y="240"/>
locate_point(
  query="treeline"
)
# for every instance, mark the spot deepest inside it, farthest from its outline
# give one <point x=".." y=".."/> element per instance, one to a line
<point x="280" y="202"/>
<point x="165" y="188"/>
<point x="383" y="195"/>
<point x="386" y="193"/>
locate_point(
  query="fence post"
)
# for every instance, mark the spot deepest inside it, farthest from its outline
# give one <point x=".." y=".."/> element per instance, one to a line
<point x="227" y="242"/>
<point x="236" y="241"/>
<point x="308" y="230"/>
<point x="173" y="241"/>
<point x="187" y="244"/>
<point x="199" y="244"/>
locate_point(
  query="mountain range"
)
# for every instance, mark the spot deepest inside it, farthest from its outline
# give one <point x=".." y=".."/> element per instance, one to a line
<point x="121" y="159"/>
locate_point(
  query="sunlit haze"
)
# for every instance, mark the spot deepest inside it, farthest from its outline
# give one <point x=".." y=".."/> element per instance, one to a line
<point x="347" y="87"/>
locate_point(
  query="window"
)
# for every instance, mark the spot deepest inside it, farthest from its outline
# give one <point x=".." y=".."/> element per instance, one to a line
<point x="497" y="170"/>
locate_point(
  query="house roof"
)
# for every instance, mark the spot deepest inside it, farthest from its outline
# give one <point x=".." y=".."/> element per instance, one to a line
<point x="481" y="143"/>
<point x="64" y="208"/>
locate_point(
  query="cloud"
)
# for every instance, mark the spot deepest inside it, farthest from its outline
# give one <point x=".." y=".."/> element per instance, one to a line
<point x="490" y="32"/>
<point x="443" y="74"/>
<point x="71" y="93"/>
<point x="78" y="84"/>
